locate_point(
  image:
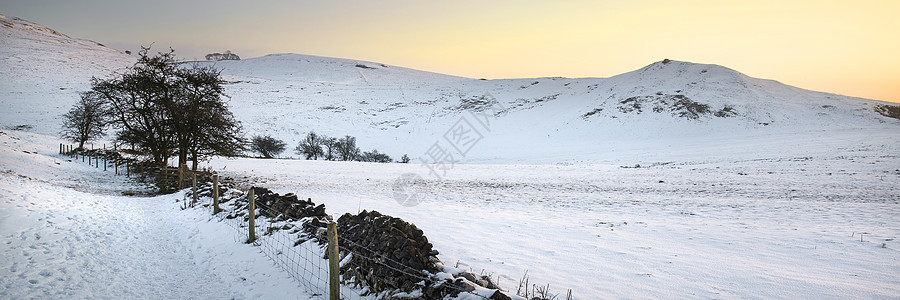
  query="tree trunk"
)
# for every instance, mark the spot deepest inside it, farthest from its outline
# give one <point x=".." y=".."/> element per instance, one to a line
<point x="182" y="157"/>
<point x="194" y="160"/>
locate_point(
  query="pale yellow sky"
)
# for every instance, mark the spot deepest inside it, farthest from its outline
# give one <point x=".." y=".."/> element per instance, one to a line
<point x="844" y="47"/>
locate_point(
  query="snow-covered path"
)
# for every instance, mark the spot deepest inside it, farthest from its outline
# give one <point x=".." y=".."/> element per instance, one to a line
<point x="59" y="243"/>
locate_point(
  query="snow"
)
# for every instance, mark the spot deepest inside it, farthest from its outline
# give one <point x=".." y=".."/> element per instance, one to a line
<point x="58" y="242"/>
<point x="796" y="196"/>
<point x="40" y="65"/>
<point x="789" y="228"/>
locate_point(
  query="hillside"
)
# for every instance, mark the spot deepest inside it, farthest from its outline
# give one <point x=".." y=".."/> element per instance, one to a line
<point x="43" y="71"/>
<point x="664" y="111"/>
<point x="631" y="117"/>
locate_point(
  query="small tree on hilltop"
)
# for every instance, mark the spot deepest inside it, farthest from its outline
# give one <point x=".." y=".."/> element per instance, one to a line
<point x="86" y="120"/>
<point x="267" y="146"/>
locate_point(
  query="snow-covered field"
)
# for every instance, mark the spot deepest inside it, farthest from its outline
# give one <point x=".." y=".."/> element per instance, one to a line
<point x="777" y="226"/>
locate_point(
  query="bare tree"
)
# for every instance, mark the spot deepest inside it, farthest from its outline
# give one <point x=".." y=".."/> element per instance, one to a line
<point x="311" y="146"/>
<point x="164" y="110"/>
<point x="375" y="156"/>
<point x="86" y="120"/>
<point x="267" y="146"/>
<point x="330" y="145"/>
<point x="203" y="125"/>
<point x="138" y="101"/>
<point x="346" y="147"/>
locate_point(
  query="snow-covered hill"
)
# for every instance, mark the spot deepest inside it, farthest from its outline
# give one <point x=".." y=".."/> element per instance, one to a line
<point x="665" y="105"/>
<point x="43" y="70"/>
<point x="664" y="111"/>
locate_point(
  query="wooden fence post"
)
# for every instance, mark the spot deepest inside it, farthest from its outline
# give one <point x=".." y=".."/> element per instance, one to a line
<point x="216" y="194"/>
<point x="181" y="176"/>
<point x="195" y="190"/>
<point x="334" y="269"/>
<point x="252" y="217"/>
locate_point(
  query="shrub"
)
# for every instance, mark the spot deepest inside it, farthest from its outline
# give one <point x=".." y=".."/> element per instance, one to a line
<point x="267" y="146"/>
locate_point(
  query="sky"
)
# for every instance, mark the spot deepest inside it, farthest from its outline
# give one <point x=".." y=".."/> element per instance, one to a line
<point x="845" y="47"/>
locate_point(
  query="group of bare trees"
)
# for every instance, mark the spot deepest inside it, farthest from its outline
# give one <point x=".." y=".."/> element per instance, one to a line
<point x="159" y="109"/>
<point x="315" y="146"/>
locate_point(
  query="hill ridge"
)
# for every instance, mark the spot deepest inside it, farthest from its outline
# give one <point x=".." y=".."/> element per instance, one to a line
<point x="405" y="111"/>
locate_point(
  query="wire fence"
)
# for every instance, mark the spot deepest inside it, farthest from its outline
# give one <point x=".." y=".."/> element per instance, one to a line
<point x="300" y="256"/>
<point x="302" y="252"/>
<point x="284" y="241"/>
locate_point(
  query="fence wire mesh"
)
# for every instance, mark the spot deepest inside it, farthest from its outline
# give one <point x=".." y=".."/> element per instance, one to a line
<point x="299" y="254"/>
<point x="292" y="250"/>
<point x="303" y="255"/>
